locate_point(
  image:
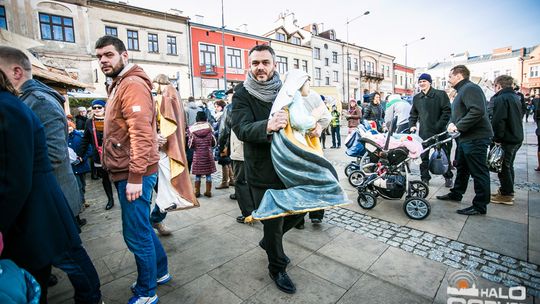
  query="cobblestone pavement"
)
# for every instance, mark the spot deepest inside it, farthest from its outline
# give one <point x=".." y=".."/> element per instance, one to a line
<point x="490" y="265"/>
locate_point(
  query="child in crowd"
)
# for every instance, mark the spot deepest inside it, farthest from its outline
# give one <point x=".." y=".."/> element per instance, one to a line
<point x="16" y="285"/>
<point x="201" y="140"/>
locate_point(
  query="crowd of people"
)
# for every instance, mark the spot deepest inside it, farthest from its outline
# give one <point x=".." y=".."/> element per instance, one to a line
<point x="144" y="143"/>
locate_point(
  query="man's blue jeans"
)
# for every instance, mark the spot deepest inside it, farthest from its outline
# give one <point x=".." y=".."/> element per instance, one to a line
<point x="140" y="237"/>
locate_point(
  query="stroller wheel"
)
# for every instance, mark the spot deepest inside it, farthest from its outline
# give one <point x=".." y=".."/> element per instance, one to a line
<point x="356" y="178"/>
<point x="418" y="189"/>
<point x="350" y="168"/>
<point x="366" y="200"/>
<point x="416" y="208"/>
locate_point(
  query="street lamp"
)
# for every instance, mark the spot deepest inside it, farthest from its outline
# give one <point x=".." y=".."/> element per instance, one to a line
<point x="347" y="43"/>
<point x="406" y="45"/>
<point x="224" y="51"/>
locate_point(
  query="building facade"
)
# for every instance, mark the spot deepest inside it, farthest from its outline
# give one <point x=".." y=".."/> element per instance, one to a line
<point x="291" y="56"/>
<point x="404" y="82"/>
<point x="208" y="47"/>
<point x="485" y="68"/>
<point x="67" y="31"/>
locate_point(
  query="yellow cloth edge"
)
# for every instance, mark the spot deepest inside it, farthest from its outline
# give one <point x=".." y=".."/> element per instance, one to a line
<point x="250" y="218"/>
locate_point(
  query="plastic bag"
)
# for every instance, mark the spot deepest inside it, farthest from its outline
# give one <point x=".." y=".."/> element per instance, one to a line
<point x="438" y="162"/>
<point x="495" y="158"/>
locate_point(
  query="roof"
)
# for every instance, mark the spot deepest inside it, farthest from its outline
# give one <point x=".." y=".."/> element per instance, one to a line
<point x="237" y="33"/>
<point x="59" y="78"/>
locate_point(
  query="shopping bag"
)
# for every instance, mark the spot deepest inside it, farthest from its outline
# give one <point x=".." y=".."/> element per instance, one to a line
<point x="438" y="162"/>
<point x="495" y="158"/>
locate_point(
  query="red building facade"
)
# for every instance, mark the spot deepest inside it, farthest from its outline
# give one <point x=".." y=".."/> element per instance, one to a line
<point x="208" y="64"/>
<point x="404" y="82"/>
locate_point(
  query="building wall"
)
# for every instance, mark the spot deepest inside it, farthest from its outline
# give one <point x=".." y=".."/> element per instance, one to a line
<point x="327" y="47"/>
<point x="71" y="56"/>
<point x="205" y="84"/>
<point x="531" y="72"/>
<point x="292" y="52"/>
<point x="176" y="67"/>
<point x="400" y="74"/>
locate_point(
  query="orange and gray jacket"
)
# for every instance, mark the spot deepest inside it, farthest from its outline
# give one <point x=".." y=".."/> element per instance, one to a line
<point x="130" y="149"/>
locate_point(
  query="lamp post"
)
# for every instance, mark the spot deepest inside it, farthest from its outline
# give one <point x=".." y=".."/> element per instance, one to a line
<point x="224" y="51"/>
<point x="347" y="44"/>
<point x="406" y="45"/>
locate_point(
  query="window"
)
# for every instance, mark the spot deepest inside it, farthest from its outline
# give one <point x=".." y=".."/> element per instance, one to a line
<point x="509" y="72"/>
<point x="153" y="46"/>
<point x="355" y="64"/>
<point x="348" y="63"/>
<point x="296" y="40"/>
<point x="317" y="53"/>
<point x="327" y="80"/>
<point x="296" y="63"/>
<point x="395" y="78"/>
<point x="387" y="71"/>
<point x="317" y="73"/>
<point x="234" y="58"/>
<point x="111" y="31"/>
<point x="281" y="37"/>
<point x="334" y="57"/>
<point x="314" y="30"/>
<point x="56" y="28"/>
<point x="496" y="74"/>
<point x="534" y="71"/>
<point x="207" y="54"/>
<point x="3" y="20"/>
<point x="171" y="45"/>
<point x="326" y="61"/>
<point x="282" y="64"/>
<point x="332" y="35"/>
<point x="336" y="76"/>
<point x="304" y="65"/>
<point x="133" y="40"/>
<point x="401" y="80"/>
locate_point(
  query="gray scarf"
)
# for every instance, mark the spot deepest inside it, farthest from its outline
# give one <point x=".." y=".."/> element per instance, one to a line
<point x="266" y="91"/>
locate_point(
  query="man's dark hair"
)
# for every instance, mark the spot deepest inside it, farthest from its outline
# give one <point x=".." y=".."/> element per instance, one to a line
<point x="104" y="41"/>
<point x="191" y="98"/>
<point x="461" y="69"/>
<point x="504" y="81"/>
<point x="261" y="48"/>
<point x="12" y="55"/>
<point x="201" y="116"/>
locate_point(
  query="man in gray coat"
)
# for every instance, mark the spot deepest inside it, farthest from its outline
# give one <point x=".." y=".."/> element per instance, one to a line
<point x="47" y="105"/>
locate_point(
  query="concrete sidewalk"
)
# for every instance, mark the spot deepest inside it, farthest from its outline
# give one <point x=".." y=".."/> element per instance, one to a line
<point x="354" y="256"/>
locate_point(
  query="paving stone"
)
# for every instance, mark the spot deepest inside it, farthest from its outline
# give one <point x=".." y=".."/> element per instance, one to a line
<point x="452" y="264"/>
<point x="428" y="244"/>
<point x="488" y="269"/>
<point x="428" y="236"/>
<point x="331" y="270"/>
<point x="488" y="258"/>
<point x="497" y="266"/>
<point x="453" y="257"/>
<point x="509" y="277"/>
<point x="508" y="259"/>
<point x="423" y="248"/>
<point x="472" y="252"/>
<point x="398" y="239"/>
<point x="420" y="252"/>
<point x="416" y="240"/>
<point x="470" y="264"/>
<point x="532" y="272"/>
<point x="528" y="265"/>
<point x="434" y="257"/>
<point x="491" y="277"/>
<point x="409" y="243"/>
<point x="402" y="235"/>
<point x="382" y="239"/>
<point x="393" y="243"/>
<point x="442" y="239"/>
<point x="520" y="274"/>
<point x="491" y="254"/>
<point x="416" y="233"/>
<point x="478" y="260"/>
<point x="407" y="248"/>
<point x="456" y="245"/>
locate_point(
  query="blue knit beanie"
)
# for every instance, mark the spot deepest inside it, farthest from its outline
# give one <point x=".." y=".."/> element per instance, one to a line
<point x="425" y="77"/>
<point x="98" y="102"/>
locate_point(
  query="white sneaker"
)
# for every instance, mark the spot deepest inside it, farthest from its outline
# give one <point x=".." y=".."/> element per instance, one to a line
<point x="143" y="300"/>
<point x="163" y="280"/>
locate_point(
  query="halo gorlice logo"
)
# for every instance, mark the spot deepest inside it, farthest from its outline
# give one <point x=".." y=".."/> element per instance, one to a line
<point x="463" y="289"/>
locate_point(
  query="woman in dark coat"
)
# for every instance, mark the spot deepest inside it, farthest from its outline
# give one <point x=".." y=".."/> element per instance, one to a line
<point x="201" y="140"/>
<point x="374" y="111"/>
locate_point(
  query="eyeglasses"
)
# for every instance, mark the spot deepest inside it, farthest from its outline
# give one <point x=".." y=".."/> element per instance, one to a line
<point x="97" y="107"/>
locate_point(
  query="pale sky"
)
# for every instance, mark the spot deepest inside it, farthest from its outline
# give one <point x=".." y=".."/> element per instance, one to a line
<point x="449" y="26"/>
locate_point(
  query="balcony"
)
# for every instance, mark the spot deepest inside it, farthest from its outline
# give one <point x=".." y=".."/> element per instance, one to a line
<point x="208" y="69"/>
<point x="372" y="75"/>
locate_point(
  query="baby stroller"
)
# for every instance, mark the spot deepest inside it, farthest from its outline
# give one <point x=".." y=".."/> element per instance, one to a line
<point x="355" y="148"/>
<point x="391" y="179"/>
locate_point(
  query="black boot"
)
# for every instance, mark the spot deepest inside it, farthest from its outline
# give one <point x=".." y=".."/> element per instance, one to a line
<point x="108" y="190"/>
<point x="80" y="221"/>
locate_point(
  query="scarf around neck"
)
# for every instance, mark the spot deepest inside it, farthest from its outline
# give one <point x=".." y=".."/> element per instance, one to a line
<point x="266" y="91"/>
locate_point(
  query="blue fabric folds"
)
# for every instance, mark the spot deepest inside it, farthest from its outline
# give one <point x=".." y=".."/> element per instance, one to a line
<point x="311" y="182"/>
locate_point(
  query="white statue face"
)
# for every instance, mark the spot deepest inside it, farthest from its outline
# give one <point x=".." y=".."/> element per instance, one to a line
<point x="304" y="90"/>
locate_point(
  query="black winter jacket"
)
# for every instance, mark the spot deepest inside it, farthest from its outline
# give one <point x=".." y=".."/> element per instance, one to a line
<point x="469" y="112"/>
<point x="506" y="121"/>
<point x="249" y="119"/>
<point x="433" y="112"/>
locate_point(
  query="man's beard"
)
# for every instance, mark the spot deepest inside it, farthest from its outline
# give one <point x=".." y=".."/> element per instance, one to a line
<point x="116" y="70"/>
